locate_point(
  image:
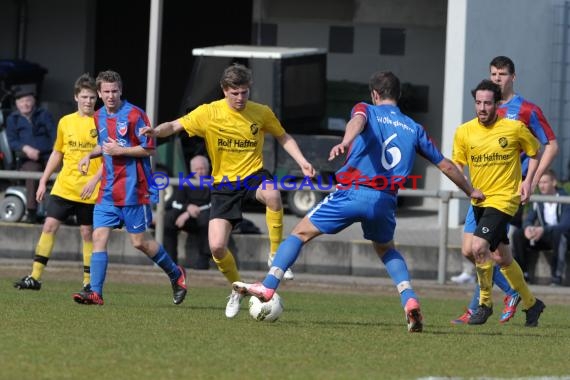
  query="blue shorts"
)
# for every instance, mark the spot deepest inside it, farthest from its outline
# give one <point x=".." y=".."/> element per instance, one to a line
<point x="374" y="209"/>
<point x="470" y="223"/>
<point x="136" y="218"/>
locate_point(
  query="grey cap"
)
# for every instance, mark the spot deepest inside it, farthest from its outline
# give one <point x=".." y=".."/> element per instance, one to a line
<point x="24" y="90"/>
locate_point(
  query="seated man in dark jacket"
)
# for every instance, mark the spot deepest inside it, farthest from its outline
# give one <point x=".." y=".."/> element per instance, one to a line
<point x="546" y="227"/>
<point x="31" y="133"/>
<point x="189" y="210"/>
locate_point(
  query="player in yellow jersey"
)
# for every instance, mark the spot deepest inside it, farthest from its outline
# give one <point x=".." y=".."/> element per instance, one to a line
<point x="234" y="129"/>
<point x="73" y="193"/>
<point x="490" y="146"/>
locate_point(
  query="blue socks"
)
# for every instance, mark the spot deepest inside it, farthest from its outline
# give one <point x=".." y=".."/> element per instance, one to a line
<point x="99" y="261"/>
<point x="284" y="258"/>
<point x="164" y="261"/>
<point x="398" y="271"/>
<point x="499" y="280"/>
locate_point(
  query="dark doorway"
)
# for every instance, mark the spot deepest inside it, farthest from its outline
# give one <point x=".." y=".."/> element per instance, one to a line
<point x="121" y="43"/>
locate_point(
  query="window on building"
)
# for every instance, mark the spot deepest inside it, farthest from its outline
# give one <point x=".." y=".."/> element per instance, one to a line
<point x="392" y="41"/>
<point x="341" y="39"/>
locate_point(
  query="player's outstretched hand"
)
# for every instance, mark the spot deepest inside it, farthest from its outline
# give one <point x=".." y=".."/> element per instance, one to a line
<point x="336" y="151"/>
<point x="147" y="131"/>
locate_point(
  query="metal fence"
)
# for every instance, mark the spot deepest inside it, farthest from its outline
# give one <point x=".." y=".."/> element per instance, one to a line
<point x="444" y="196"/>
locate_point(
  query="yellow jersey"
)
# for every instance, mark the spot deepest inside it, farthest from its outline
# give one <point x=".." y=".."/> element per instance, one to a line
<point x="492" y="154"/>
<point x="76" y="137"/>
<point x="234" y="139"/>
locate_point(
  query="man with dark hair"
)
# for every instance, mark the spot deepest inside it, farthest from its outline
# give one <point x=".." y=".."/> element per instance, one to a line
<point x="489" y="146"/>
<point x="381" y="143"/>
<point x="512" y="106"/>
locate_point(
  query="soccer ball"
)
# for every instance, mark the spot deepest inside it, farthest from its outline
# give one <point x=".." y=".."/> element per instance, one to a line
<point x="266" y="311"/>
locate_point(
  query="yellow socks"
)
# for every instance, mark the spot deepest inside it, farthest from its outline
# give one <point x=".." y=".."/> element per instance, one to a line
<point x="227" y="265"/>
<point x="274" y="220"/>
<point x="514" y="275"/>
<point x="43" y="252"/>
<point x="87" y="252"/>
<point x="485" y="277"/>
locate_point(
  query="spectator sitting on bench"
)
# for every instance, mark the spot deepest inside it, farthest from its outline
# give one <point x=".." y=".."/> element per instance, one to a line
<point x="189" y="210"/>
<point x="31" y="133"/>
<point x="546" y="227"/>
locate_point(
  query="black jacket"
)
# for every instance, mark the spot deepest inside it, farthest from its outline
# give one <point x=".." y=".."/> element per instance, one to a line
<point x="536" y="215"/>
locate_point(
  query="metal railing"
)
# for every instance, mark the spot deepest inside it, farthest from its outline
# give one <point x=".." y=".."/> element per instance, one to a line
<point x="444" y="196"/>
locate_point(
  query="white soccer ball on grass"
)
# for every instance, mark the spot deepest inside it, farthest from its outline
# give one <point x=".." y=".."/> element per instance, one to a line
<point x="266" y="311"/>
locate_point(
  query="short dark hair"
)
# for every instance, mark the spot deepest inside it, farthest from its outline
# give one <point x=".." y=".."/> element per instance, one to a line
<point x="109" y="76"/>
<point x="85" y="81"/>
<point x="501" y="62"/>
<point x="386" y="84"/>
<point x="235" y="76"/>
<point x="488" y="85"/>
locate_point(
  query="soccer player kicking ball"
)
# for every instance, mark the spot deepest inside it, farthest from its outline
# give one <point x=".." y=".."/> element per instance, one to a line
<point x="382" y="144"/>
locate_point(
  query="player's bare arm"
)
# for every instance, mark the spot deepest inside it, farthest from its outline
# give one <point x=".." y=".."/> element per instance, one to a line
<point x="83" y="165"/>
<point x="549" y="152"/>
<point x="452" y="172"/>
<point x="290" y="145"/>
<point x="353" y="129"/>
<point x="530" y="180"/>
<point x="162" y="130"/>
<point x="54" y="161"/>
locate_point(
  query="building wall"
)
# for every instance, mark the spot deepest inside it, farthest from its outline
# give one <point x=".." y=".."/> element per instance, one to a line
<point x="58" y="37"/>
<point x="309" y="24"/>
<point x="477" y="32"/>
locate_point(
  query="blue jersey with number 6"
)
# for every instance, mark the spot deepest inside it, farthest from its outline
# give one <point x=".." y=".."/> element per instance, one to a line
<point x="383" y="155"/>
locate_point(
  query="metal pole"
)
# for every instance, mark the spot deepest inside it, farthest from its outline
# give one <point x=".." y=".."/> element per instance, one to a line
<point x="152" y="88"/>
<point x="445" y="195"/>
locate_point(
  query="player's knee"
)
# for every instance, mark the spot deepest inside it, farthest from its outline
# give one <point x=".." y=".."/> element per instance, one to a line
<point x="218" y="250"/>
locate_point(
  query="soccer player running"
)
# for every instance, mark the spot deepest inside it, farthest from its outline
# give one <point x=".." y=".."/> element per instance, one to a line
<point x="382" y="144"/>
<point x="125" y="193"/>
<point x="234" y="128"/>
<point x="489" y="145"/>
<point x="73" y="193"/>
<point x="512" y="106"/>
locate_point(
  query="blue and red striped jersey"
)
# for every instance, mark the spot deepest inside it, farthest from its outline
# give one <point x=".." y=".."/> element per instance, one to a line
<point x="384" y="152"/>
<point x="531" y="115"/>
<point x="125" y="180"/>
